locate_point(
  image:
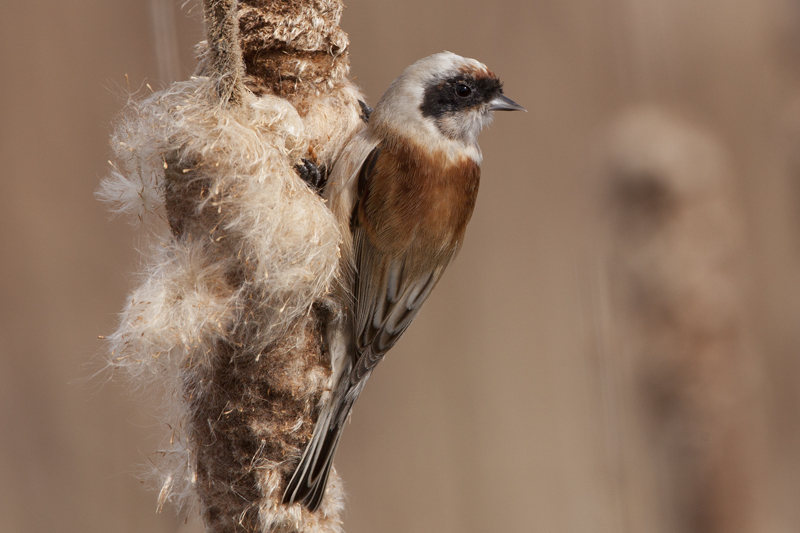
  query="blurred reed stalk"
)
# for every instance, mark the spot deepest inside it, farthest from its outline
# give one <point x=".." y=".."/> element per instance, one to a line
<point x="228" y="318"/>
<point x="166" y="40"/>
<point x="671" y="328"/>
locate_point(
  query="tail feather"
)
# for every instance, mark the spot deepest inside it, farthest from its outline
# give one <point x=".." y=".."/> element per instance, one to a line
<point x="310" y="478"/>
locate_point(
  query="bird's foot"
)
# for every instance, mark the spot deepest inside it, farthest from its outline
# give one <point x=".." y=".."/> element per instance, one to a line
<point x="366" y="111"/>
<point x="313" y="175"/>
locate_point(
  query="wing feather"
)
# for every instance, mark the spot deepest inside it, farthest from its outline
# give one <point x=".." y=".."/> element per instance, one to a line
<point x="342" y="188"/>
<point x="388" y="301"/>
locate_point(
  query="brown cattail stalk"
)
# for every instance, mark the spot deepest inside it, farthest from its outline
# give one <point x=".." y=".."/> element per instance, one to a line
<point x="227" y="319"/>
<point x="674" y="331"/>
<point x="224" y="51"/>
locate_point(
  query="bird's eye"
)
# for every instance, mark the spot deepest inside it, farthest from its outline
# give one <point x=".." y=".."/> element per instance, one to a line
<point x="463" y="90"/>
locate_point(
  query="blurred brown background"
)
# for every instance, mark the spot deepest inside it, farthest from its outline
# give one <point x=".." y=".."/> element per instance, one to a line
<point x="615" y="349"/>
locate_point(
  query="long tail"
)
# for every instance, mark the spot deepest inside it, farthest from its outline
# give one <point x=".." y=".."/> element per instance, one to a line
<point x="310" y="478"/>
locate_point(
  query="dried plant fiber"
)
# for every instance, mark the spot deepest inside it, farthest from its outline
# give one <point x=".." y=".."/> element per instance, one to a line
<point x="227" y="320"/>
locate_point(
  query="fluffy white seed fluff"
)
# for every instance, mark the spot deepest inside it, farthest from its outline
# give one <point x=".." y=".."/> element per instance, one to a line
<point x="284" y="230"/>
<point x="269" y="220"/>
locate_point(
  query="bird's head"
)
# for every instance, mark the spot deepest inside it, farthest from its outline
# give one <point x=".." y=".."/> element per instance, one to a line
<point x="444" y="94"/>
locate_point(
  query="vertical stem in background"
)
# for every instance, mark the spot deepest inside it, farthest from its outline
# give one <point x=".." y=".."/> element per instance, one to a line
<point x="166" y="40"/>
<point x="225" y="53"/>
<point x="675" y="337"/>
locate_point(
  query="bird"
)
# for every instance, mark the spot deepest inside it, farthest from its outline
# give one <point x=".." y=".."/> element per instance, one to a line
<point x="402" y="191"/>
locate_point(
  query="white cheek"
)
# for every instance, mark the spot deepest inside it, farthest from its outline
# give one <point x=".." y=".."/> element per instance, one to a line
<point x="465" y="128"/>
<point x="478" y="119"/>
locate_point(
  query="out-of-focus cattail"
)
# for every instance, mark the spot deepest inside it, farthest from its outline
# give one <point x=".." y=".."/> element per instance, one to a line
<point x="672" y="344"/>
<point x="226" y="321"/>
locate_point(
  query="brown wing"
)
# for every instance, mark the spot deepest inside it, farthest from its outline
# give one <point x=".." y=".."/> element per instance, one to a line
<point x="387" y="301"/>
<point x="390" y="286"/>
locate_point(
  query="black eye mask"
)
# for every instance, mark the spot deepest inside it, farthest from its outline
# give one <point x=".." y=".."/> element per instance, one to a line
<point x="447" y="96"/>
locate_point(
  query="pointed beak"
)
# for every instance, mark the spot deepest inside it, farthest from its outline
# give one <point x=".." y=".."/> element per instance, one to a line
<point x="503" y="103"/>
